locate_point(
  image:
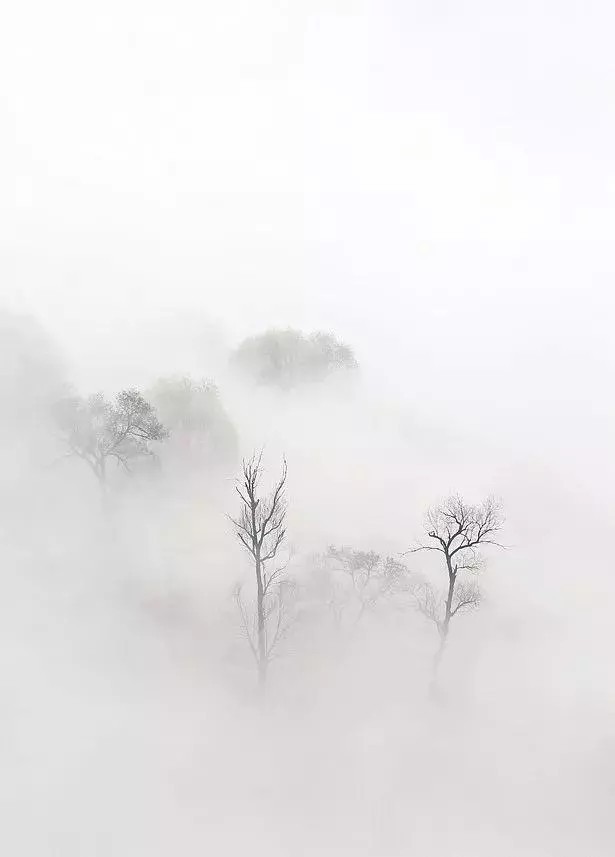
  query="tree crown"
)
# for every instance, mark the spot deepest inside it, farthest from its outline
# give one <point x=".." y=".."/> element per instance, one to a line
<point x="96" y="428"/>
<point x="289" y="358"/>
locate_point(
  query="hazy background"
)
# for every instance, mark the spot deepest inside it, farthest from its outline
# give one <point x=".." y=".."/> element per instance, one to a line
<point x="434" y="183"/>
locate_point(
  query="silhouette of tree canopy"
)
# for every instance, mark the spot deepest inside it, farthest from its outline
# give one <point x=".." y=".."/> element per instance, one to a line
<point x="289" y="358"/>
<point x="193" y="412"/>
<point x="98" y="430"/>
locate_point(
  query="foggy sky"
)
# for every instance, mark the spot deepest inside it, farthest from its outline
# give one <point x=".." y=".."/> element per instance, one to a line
<point x="427" y="182"/>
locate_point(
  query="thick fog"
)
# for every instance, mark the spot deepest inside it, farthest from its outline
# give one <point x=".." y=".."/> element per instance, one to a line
<point x="433" y="186"/>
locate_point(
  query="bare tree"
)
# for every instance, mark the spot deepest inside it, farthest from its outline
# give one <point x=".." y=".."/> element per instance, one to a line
<point x="98" y="431"/>
<point x="261" y="529"/>
<point x="457" y="531"/>
<point x="366" y="579"/>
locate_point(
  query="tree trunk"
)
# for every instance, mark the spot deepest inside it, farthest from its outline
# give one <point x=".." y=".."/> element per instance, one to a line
<point x="452" y="576"/>
<point x="443" y="627"/>
<point x="101" y="473"/>
<point x="443" y="631"/>
<point x="260" y="623"/>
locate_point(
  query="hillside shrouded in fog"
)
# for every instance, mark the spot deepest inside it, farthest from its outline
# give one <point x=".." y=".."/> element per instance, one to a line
<point x="306" y="429"/>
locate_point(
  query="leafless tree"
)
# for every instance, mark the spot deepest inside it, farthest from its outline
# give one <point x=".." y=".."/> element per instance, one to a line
<point x="99" y="431"/>
<point x="261" y="529"/>
<point x="458" y="531"/>
<point x="367" y="578"/>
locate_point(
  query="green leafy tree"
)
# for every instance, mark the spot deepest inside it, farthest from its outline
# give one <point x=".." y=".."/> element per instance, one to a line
<point x="99" y="431"/>
<point x="289" y="358"/>
<point x="201" y="429"/>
